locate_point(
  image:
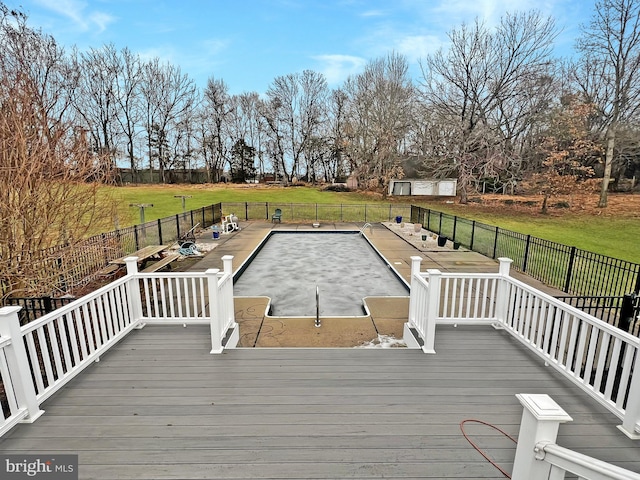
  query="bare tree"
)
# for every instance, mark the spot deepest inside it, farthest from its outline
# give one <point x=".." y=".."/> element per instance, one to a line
<point x="378" y="118"/>
<point x="129" y="115"/>
<point x="95" y="99"/>
<point x="609" y="70"/>
<point x="490" y="86"/>
<point x="215" y="112"/>
<point x="168" y="96"/>
<point x="48" y="175"/>
<point x="297" y="110"/>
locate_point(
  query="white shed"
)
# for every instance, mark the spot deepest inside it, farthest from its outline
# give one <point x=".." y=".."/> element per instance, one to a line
<point x="420" y="186"/>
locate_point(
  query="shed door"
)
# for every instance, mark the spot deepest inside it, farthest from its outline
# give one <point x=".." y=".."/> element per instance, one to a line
<point x="402" y="188"/>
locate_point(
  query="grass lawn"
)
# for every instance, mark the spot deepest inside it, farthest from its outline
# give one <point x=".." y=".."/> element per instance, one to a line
<point x="615" y="235"/>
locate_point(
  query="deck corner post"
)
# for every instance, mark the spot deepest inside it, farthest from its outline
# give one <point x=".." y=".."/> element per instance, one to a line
<point x="502" y="297"/>
<point x="18" y="364"/>
<point x="227" y="262"/>
<point x="415" y="270"/>
<point x="433" y="307"/>
<point x="505" y="266"/>
<point x="631" y="421"/>
<point x="215" y="321"/>
<point x="133" y="290"/>
<point x="541" y="419"/>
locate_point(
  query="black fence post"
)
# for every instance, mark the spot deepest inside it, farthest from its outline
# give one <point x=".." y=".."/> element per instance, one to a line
<point x="455" y="224"/>
<point x="46" y="303"/>
<point x="365" y="213"/>
<point x="495" y="244"/>
<point x="390" y="212"/>
<point x="627" y="312"/>
<point x="204" y="221"/>
<point x="267" y="207"/>
<point x="246" y="211"/>
<point x="192" y="222"/>
<point x="473" y="231"/>
<point x="135" y="236"/>
<point x="567" y="280"/>
<point x="159" y="231"/>
<point x="429" y="219"/>
<point x="526" y="254"/>
<point x="105" y="253"/>
<point x="440" y="225"/>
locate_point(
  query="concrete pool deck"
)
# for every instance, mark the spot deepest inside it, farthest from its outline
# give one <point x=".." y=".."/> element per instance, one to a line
<point x="387" y="314"/>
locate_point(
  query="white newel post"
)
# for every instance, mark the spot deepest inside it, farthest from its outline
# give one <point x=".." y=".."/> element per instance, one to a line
<point x="541" y="418"/>
<point x="433" y="307"/>
<point x="135" y="301"/>
<point x="631" y="419"/>
<point x="227" y="265"/>
<point x="413" y="293"/>
<point x="502" y="297"/>
<point x="214" y="310"/>
<point x="18" y="363"/>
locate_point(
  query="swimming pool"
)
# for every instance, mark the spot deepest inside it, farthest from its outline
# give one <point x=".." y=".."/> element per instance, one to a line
<point x="288" y="266"/>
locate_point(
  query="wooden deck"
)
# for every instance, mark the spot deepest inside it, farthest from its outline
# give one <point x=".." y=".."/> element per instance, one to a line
<point x="159" y="406"/>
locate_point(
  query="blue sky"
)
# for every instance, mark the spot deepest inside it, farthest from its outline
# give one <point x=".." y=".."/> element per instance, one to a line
<point x="247" y="43"/>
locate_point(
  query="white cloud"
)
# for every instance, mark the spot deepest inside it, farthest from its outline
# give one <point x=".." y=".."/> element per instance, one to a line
<point x="76" y="11"/>
<point x="373" y="13"/>
<point x="336" y="68"/>
<point x="415" y="47"/>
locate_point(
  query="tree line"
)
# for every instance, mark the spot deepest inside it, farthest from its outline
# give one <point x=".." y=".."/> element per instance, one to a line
<point x="493" y="107"/>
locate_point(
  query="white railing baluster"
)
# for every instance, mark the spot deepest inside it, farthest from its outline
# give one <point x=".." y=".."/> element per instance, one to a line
<point x="601" y="365"/>
<point x="582" y="345"/>
<point x="626" y="374"/>
<point x="154" y="291"/>
<point x="46" y="360"/>
<point x="591" y="354"/>
<point x="187" y="296"/>
<point x="65" y="344"/>
<point x="116" y="309"/>
<point x="447" y="311"/>
<point x="573" y="340"/>
<point x="35" y="364"/>
<point x="148" y="312"/>
<point x="81" y="333"/>
<point x="168" y="297"/>
<point x="613" y="365"/>
<point x="55" y="349"/>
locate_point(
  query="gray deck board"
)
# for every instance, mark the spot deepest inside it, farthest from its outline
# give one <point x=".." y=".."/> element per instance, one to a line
<point x="159" y="406"/>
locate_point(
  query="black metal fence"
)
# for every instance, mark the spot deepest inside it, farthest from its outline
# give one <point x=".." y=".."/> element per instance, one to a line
<point x="316" y="212"/>
<point x="622" y="312"/>
<point x="570" y="269"/>
<point x="36" y="307"/>
<point x="64" y="268"/>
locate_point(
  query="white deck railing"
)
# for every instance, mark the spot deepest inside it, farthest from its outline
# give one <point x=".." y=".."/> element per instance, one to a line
<point x="538" y="457"/>
<point x="37" y="359"/>
<point x="597" y="357"/>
